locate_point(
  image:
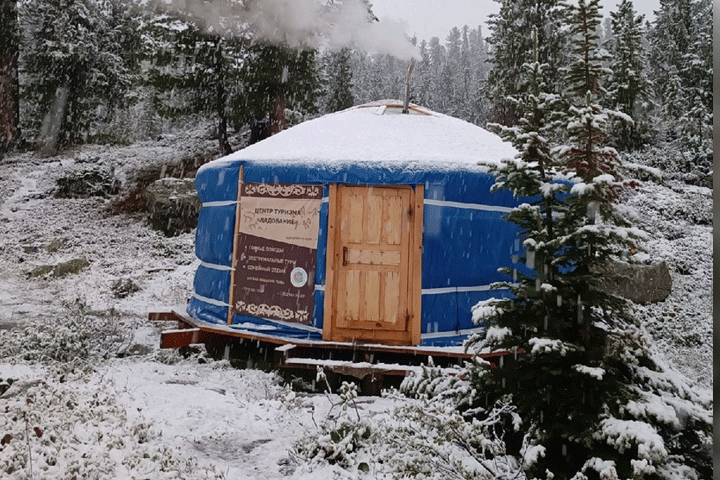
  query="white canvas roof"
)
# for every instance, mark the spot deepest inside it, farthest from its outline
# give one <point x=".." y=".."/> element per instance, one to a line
<point x="379" y="132"/>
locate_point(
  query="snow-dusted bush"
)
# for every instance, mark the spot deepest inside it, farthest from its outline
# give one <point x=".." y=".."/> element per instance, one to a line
<point x="73" y="338"/>
<point x="53" y="430"/>
<point x="429" y="439"/>
<point x="435" y="382"/>
<point x="430" y="436"/>
<point x="339" y="437"/>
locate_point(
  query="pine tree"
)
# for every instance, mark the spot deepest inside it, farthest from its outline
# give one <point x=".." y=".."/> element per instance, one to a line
<point x="511" y="47"/>
<point x="451" y="76"/>
<point x="480" y="108"/>
<point x="584" y="383"/>
<point x="339" y="81"/>
<point x="9" y="88"/>
<point x="681" y="66"/>
<point x="629" y="90"/>
<point x="193" y="67"/>
<point x="670" y="39"/>
<point x="436" y="52"/>
<point x="696" y="122"/>
<point x="73" y="64"/>
<point x="464" y="75"/>
<point x="421" y="76"/>
<point x="276" y="78"/>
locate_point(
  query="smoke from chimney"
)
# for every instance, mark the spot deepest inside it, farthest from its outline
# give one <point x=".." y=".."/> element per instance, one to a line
<point x="302" y="24"/>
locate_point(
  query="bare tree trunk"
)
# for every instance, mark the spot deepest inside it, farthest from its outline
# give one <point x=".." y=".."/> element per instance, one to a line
<point x="9" y="91"/>
<point x="277" y="114"/>
<point x="277" y="119"/>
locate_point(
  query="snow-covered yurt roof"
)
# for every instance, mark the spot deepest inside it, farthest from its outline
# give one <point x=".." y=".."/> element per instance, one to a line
<point x="379" y="132"/>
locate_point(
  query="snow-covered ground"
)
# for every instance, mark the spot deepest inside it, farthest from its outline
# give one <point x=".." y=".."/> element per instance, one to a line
<point x="153" y="414"/>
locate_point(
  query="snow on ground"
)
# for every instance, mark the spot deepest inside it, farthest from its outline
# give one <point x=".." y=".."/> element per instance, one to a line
<point x="160" y="411"/>
<point x="679" y="221"/>
<point x="153" y="414"/>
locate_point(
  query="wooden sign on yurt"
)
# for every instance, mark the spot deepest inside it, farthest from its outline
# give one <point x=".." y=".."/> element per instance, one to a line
<point x="274" y="266"/>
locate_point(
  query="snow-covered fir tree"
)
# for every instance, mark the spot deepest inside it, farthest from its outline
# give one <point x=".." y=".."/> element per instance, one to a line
<point x="696" y="124"/>
<point x="592" y="400"/>
<point x="480" y="108"/>
<point x="451" y="76"/>
<point x="9" y="86"/>
<point x="680" y="59"/>
<point x="629" y="89"/>
<point x="276" y="78"/>
<point x="338" y="81"/>
<point x="74" y="68"/>
<point x="192" y="66"/>
<point x="511" y="47"/>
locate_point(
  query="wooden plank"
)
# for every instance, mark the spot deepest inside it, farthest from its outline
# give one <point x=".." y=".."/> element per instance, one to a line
<point x="354" y="369"/>
<point x="351" y="292"/>
<point x="360" y="267"/>
<point x="182" y="338"/>
<point x="373" y="227"/>
<point x="372" y="296"/>
<point x="353" y="206"/>
<point x="162" y="316"/>
<point x="330" y="314"/>
<point x="236" y="244"/>
<point x="404" y="225"/>
<point x="383" y="301"/>
<point x="373" y="257"/>
<point x="392" y="229"/>
<point x="416" y="266"/>
<point x="392" y="292"/>
<point x="367" y="332"/>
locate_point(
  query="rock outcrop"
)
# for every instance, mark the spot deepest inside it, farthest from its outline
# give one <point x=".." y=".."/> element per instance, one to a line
<point x="173" y="205"/>
<point x="637" y="282"/>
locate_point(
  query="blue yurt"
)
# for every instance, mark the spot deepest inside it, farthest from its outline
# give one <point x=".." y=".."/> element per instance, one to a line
<point x="366" y="226"/>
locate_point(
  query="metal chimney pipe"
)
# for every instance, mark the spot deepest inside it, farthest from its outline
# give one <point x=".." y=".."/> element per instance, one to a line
<point x="406" y="103"/>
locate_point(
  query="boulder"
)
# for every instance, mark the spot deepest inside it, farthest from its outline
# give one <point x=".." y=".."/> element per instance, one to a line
<point x="88" y="183"/>
<point x="124" y="287"/>
<point x="60" y="270"/>
<point x="173" y="205"/>
<point x="637" y="282"/>
<point x="70" y="267"/>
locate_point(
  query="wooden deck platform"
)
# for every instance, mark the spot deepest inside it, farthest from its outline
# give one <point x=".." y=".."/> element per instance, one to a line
<point x="359" y="360"/>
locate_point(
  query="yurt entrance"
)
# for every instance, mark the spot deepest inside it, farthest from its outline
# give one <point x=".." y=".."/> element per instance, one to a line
<point x="374" y="259"/>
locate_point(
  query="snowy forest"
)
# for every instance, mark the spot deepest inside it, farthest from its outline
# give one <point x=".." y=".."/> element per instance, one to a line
<point x="612" y="119"/>
<point x="115" y="71"/>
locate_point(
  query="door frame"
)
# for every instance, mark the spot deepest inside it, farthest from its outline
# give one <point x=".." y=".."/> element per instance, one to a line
<point x="333" y="255"/>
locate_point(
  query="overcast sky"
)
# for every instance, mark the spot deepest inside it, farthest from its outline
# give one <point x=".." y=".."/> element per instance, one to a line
<point x="435" y="18"/>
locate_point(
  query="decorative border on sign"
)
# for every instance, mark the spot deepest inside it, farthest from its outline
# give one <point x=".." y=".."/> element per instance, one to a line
<point x="272" y="311"/>
<point x="282" y="190"/>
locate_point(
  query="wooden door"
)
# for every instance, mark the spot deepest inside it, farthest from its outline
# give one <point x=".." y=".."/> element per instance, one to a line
<point x="372" y="231"/>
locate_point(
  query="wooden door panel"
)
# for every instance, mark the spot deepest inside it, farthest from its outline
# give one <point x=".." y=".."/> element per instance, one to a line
<point x="351" y="293"/>
<point x="393" y="230"/>
<point x="391" y="294"/>
<point x="386" y="257"/>
<point x="373" y="249"/>
<point x="375" y="218"/>
<point x="372" y="297"/>
<point x="373" y="236"/>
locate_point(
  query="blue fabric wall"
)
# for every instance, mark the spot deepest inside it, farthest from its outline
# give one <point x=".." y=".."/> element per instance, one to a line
<point x="465" y="238"/>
